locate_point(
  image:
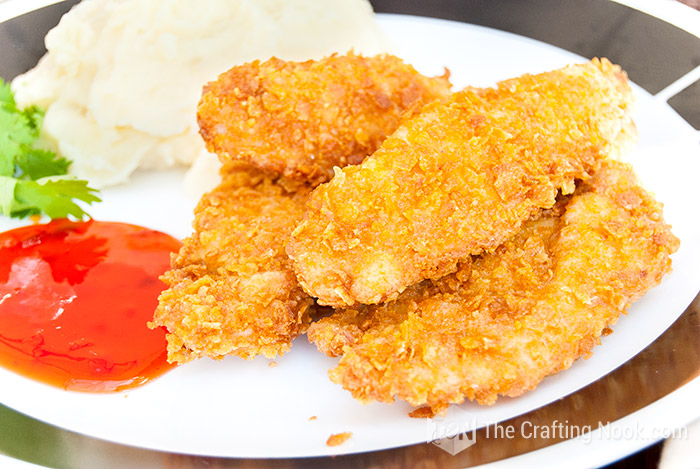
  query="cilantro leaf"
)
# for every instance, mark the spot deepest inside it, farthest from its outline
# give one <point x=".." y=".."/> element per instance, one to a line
<point x="7" y="100"/>
<point x="36" y="164"/>
<point x="34" y="117"/>
<point x="32" y="180"/>
<point x="7" y="194"/>
<point x="14" y="133"/>
<point x="52" y="196"/>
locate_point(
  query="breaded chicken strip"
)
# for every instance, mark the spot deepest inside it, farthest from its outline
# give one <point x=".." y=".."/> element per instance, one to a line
<point x="302" y="119"/>
<point x="231" y="287"/>
<point x="507" y="319"/>
<point x="456" y="180"/>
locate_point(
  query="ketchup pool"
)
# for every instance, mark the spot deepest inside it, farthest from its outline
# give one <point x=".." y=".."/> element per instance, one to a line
<point x="75" y="298"/>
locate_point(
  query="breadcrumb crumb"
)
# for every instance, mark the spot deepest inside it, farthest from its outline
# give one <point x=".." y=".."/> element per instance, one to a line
<point x="422" y="413"/>
<point x="338" y="438"/>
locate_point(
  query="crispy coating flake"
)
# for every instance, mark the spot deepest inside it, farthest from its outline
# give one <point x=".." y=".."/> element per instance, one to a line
<point x="507" y="319"/>
<point x="231" y="287"/>
<point x="338" y="438"/>
<point x="457" y="179"/>
<point x="302" y="119"/>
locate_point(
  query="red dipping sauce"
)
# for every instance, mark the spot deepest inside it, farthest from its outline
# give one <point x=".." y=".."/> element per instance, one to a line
<point x="75" y="298"/>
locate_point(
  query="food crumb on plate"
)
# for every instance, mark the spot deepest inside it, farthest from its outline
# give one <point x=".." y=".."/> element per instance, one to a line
<point x="422" y="413"/>
<point x="338" y="438"/>
<point x="272" y="364"/>
<point x="313" y="417"/>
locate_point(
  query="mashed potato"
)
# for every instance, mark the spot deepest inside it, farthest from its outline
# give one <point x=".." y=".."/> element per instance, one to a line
<point x="121" y="80"/>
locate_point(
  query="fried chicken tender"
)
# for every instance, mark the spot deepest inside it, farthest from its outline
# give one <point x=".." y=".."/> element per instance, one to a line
<point x="302" y="119"/>
<point x="231" y="287"/>
<point x="231" y="290"/>
<point x="457" y="179"/>
<point x="507" y="319"/>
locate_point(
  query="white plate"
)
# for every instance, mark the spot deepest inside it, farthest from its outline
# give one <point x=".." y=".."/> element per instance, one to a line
<point x="238" y="408"/>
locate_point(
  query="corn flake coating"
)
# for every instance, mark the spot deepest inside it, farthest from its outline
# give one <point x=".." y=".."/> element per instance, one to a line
<point x="301" y="119"/>
<point x="457" y="179"/>
<point x="507" y="319"/>
<point x="231" y="290"/>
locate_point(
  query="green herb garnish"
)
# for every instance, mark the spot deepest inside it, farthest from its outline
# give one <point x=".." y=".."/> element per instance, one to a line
<point x="34" y="181"/>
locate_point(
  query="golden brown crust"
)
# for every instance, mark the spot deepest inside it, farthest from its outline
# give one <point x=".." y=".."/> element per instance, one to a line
<point x="503" y="322"/>
<point x="231" y="290"/>
<point x="455" y="180"/>
<point x="302" y="119"/>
